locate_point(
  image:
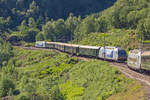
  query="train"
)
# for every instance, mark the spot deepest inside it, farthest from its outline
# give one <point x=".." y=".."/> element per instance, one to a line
<point x="136" y="59"/>
<point x="139" y="60"/>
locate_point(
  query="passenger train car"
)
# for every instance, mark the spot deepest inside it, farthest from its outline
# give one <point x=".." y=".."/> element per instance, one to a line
<point x="139" y="60"/>
<point x="109" y="53"/>
<point x="71" y="48"/>
<point x="90" y="51"/>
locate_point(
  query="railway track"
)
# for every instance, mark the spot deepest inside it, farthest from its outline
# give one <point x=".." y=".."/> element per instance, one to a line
<point x="142" y="78"/>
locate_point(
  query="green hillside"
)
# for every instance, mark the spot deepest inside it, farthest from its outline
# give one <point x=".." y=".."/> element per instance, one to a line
<point x="47" y="74"/>
<point x="123" y="15"/>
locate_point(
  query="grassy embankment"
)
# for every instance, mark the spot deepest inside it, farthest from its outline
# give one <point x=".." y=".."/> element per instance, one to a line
<point x="54" y="76"/>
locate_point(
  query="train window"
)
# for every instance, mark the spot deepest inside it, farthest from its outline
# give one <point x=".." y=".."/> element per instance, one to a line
<point x="122" y="53"/>
<point x="146" y="61"/>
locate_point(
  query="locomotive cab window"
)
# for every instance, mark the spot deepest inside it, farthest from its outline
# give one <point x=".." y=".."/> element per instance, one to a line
<point x="122" y="53"/>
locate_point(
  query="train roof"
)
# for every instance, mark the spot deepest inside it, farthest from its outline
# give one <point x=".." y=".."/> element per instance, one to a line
<point x="59" y="43"/>
<point x="65" y="44"/>
<point x="146" y="53"/>
<point x="74" y="45"/>
<point x="135" y="51"/>
<point x="111" y="47"/>
<point x="90" y="47"/>
<point x="50" y="42"/>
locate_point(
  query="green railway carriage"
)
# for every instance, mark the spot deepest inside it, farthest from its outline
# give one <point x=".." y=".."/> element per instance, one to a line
<point x="59" y="46"/>
<point x="91" y="51"/>
<point x="50" y="45"/>
<point x="71" y="48"/>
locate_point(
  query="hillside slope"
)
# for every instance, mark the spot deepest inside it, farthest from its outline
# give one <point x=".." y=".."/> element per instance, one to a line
<point x="130" y="14"/>
<point x="52" y="76"/>
<point x="127" y="16"/>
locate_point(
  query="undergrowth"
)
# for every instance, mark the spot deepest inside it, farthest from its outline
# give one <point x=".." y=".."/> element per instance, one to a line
<point x="122" y="38"/>
<point x="47" y="75"/>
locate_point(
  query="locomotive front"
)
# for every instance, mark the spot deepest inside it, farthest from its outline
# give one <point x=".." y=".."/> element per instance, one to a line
<point x="122" y="55"/>
<point x="139" y="60"/>
<point x="40" y="44"/>
<point x="113" y="53"/>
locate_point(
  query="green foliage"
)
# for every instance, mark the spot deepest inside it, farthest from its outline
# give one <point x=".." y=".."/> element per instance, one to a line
<point x="27" y="32"/>
<point x="45" y="74"/>
<point x="31" y="23"/>
<point x="88" y="25"/>
<point x="55" y="94"/>
<point x="104" y="24"/>
<point x="4" y="23"/>
<point x="143" y="29"/>
<point x="6" y="51"/>
<point x="22" y="28"/>
<point x="129" y="14"/>
<point x="28" y="85"/>
<point x="25" y="58"/>
<point x="115" y="37"/>
<point x="5" y="86"/>
<point x="30" y="34"/>
<point x="70" y="91"/>
<point x="38" y="72"/>
<point x="23" y="96"/>
<point x="58" y="76"/>
<point x="55" y="30"/>
<point x="39" y="37"/>
<point x="37" y="13"/>
<point x="93" y="79"/>
<point x="10" y="70"/>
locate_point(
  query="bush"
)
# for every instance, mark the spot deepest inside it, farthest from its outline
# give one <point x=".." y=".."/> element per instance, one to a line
<point x="5" y="52"/>
<point x="23" y="96"/>
<point x="56" y="94"/>
<point x="5" y="86"/>
<point x="39" y="37"/>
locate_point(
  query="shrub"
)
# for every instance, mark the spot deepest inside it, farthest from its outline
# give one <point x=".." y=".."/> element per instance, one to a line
<point x="23" y="96"/>
<point x="5" y="85"/>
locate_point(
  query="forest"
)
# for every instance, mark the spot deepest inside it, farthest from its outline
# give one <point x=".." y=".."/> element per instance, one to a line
<point x="124" y="23"/>
<point x="28" y="23"/>
<point x="13" y="12"/>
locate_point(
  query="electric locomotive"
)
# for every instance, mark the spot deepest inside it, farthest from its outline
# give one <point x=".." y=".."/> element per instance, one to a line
<point x="139" y="60"/>
<point x="113" y="53"/>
